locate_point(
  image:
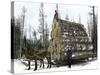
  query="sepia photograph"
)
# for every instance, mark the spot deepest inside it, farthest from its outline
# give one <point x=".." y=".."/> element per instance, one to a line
<point x="49" y="37"/>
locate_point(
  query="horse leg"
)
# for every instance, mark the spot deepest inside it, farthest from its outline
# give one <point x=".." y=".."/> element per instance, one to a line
<point x="29" y="65"/>
<point x="35" y="65"/>
<point x="50" y="62"/>
<point x="40" y="63"/>
<point x="43" y="63"/>
<point x="48" y="65"/>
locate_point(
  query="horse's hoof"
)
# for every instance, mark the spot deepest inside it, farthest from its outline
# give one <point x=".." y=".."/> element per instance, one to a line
<point x="28" y="69"/>
<point x="35" y="69"/>
<point x="47" y="66"/>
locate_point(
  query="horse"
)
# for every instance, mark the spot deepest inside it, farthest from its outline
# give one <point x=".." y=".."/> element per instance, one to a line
<point x="37" y="55"/>
<point x="41" y="56"/>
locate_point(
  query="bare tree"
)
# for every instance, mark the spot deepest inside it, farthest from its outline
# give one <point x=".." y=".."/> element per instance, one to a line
<point x="90" y="26"/>
<point x="94" y="29"/>
<point x="41" y="20"/>
<point x="79" y="19"/>
<point x="22" y="29"/>
<point x="16" y="36"/>
<point x="46" y="36"/>
<point x="67" y="18"/>
<point x="43" y="25"/>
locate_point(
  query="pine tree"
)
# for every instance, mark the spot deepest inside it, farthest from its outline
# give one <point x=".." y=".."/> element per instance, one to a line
<point x="79" y="19"/>
<point x="22" y="29"/>
<point x="94" y="29"/>
<point x="67" y="17"/>
<point x="41" y="20"/>
<point x="43" y="30"/>
<point x="17" y="35"/>
<point x="46" y="37"/>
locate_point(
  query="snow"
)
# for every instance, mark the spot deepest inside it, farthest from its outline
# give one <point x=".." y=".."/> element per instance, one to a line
<point x="20" y="66"/>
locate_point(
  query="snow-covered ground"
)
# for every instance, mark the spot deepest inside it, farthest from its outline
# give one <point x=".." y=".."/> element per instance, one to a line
<point x="21" y="67"/>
